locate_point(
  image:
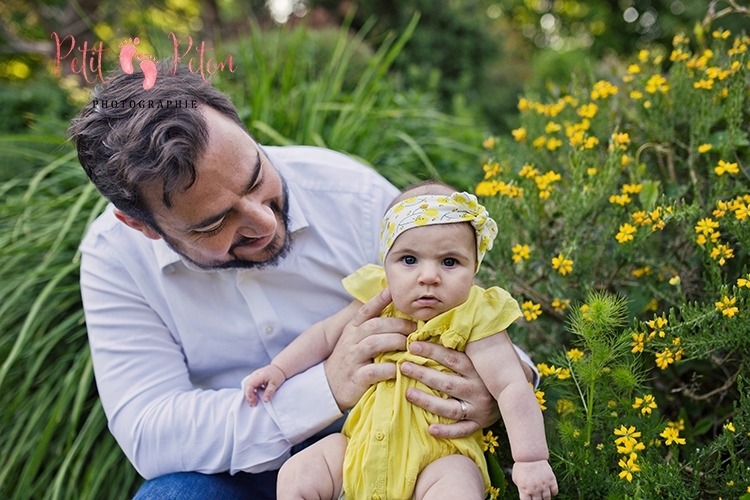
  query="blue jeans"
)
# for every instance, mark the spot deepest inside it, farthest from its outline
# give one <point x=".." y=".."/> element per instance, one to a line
<point x="197" y="486"/>
<point x="241" y="486"/>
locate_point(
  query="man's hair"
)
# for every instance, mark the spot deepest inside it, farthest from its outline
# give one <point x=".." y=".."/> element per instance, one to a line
<point x="128" y="137"/>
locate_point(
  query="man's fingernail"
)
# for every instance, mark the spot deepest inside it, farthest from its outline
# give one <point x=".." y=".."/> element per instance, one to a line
<point x="405" y="368"/>
<point x="415" y="348"/>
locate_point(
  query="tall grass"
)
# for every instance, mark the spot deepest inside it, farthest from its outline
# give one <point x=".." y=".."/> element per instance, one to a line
<point x="292" y="88"/>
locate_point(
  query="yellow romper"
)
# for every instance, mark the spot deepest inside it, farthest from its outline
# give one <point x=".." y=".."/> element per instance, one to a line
<point x="388" y="440"/>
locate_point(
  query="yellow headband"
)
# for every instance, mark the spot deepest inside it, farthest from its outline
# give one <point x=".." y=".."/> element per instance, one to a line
<point x="427" y="210"/>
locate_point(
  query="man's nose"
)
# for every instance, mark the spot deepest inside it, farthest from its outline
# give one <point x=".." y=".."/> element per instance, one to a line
<point x="258" y="219"/>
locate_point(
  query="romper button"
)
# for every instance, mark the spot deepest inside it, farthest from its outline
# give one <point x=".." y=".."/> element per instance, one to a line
<point x="379" y="436"/>
<point x="390" y="383"/>
<point x="375" y="496"/>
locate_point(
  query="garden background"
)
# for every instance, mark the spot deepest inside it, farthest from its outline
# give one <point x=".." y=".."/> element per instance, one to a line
<point x="610" y="138"/>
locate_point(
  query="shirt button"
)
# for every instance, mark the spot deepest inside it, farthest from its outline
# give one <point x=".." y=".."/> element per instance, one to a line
<point x="375" y="496"/>
<point x="169" y="269"/>
<point x="379" y="436"/>
<point x="269" y="330"/>
<point x="390" y="383"/>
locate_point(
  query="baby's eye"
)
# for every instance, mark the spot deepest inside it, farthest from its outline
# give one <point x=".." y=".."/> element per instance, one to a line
<point x="450" y="262"/>
<point x="409" y="260"/>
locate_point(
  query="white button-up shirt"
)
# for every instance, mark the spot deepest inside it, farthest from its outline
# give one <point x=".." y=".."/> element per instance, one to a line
<point x="170" y="343"/>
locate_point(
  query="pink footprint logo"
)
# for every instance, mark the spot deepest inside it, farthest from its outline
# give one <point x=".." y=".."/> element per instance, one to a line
<point x="128" y="51"/>
<point x="148" y="66"/>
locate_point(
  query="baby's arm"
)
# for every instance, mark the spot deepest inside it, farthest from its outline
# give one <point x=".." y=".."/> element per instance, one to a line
<point x="310" y="348"/>
<point x="497" y="363"/>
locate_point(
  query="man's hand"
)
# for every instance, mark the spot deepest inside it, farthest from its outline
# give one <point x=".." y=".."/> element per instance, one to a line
<point x="465" y="385"/>
<point x="350" y="369"/>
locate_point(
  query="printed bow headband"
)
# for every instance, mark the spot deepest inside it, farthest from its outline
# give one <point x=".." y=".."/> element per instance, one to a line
<point x="426" y="210"/>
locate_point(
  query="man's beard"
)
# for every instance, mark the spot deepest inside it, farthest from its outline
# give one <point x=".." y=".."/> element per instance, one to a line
<point x="277" y="248"/>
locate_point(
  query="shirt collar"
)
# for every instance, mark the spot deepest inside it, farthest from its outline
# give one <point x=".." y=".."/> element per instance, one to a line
<point x="165" y="256"/>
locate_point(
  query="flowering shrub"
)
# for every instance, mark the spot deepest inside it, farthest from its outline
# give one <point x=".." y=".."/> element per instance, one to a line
<point x="625" y="207"/>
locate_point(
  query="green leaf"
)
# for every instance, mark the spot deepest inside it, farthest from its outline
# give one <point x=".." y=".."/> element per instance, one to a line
<point x="497" y="477"/>
<point x="649" y="194"/>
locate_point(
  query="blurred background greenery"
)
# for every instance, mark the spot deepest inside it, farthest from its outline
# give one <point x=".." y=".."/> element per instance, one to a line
<point x="412" y="88"/>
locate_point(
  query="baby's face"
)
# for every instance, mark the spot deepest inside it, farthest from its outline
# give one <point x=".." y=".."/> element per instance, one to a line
<point x="430" y="269"/>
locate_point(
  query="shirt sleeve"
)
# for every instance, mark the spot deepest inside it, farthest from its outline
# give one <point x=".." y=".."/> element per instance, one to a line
<point x="160" y="420"/>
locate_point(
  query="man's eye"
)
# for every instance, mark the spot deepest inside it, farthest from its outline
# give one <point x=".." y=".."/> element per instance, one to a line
<point x="450" y="262"/>
<point x="211" y="231"/>
<point x="409" y="259"/>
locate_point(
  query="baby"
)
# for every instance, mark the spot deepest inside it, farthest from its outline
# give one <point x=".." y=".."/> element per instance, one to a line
<point x="432" y="241"/>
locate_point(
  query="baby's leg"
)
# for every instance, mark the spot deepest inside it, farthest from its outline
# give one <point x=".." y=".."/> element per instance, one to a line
<point x="315" y="472"/>
<point x="448" y="478"/>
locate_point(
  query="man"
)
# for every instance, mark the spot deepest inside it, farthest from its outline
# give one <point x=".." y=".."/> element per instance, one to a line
<point x="214" y="255"/>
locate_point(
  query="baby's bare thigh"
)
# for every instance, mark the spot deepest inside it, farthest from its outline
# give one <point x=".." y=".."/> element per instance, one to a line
<point x="450" y="477"/>
<point x="315" y="472"/>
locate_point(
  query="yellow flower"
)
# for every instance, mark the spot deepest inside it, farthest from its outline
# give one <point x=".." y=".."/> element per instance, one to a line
<point x="633" y="69"/>
<point x="744" y="281"/>
<point x="531" y="311"/>
<point x="528" y="171"/>
<point x="628" y="467"/>
<point x="706" y="226"/>
<point x="646" y="404"/>
<point x="622" y="199"/>
<point x="721" y="253"/>
<point x="634" y="94"/>
<point x="590" y="142"/>
<point x="545" y="370"/>
<point x="629" y="445"/>
<point x="703" y="148"/>
<point x="626" y="233"/>
<point x="554" y="143"/>
<point x="552" y="127"/>
<point x="672" y="435"/>
<point x="621" y="140"/>
<point x="540" y="399"/>
<point x="519" y="134"/>
<point x="560" y="305"/>
<point x="643" y="55"/>
<point x="539" y="142"/>
<point x="638" y="342"/>
<point x="726" y="167"/>
<point x="520" y="252"/>
<point x="574" y="355"/>
<point x="489" y="143"/>
<point x="565" y="407"/>
<point x="674" y="280"/>
<point x="657" y="83"/>
<point x="722" y="34"/>
<point x="494" y="493"/>
<point x="489" y="442"/>
<point x="591" y="171"/>
<point x="588" y="110"/>
<point x="562" y="265"/>
<point x="602" y="89"/>
<point x="563" y="373"/>
<point x="727" y="307"/>
<point x="664" y="358"/>
<point x="730" y="427"/>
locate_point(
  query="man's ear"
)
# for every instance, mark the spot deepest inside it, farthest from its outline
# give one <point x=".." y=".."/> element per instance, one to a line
<point x="136" y="224"/>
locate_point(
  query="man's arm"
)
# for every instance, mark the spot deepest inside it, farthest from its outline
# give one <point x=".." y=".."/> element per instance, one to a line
<point x="161" y="421"/>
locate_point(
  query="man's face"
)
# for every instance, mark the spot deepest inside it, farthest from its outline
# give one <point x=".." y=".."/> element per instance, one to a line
<point x="235" y="213"/>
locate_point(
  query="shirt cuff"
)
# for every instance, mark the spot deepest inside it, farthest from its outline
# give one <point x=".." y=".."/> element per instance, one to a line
<point x="303" y="405"/>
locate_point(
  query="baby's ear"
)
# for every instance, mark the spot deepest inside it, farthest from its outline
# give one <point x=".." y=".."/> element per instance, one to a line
<point x="136" y="224"/>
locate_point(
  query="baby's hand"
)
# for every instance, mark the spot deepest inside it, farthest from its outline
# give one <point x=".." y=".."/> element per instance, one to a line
<point x="535" y="480"/>
<point x="268" y="378"/>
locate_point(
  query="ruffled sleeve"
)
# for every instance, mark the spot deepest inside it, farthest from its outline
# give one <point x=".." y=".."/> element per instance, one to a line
<point x="366" y="282"/>
<point x="485" y="313"/>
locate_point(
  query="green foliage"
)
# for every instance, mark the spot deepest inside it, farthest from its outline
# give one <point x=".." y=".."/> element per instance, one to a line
<point x="628" y="198"/>
<point x="328" y="88"/>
